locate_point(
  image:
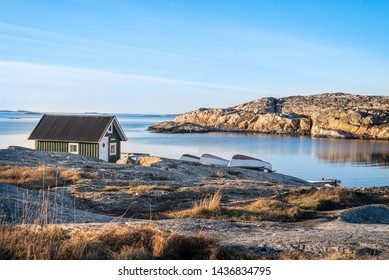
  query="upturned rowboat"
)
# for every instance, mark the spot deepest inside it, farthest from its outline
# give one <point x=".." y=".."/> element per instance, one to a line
<point x="243" y="161"/>
<point x="215" y="160"/>
<point x="191" y="158"/>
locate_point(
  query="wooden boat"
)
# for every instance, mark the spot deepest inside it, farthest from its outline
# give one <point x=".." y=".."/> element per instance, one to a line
<point x="191" y="158"/>
<point x="215" y="160"/>
<point x="243" y="161"/>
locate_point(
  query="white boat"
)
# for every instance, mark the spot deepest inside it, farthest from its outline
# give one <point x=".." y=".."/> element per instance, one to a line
<point x="191" y="158"/>
<point x="215" y="160"/>
<point x="250" y="163"/>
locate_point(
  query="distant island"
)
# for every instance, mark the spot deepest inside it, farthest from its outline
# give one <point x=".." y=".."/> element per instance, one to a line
<point x="21" y="112"/>
<point x="328" y="115"/>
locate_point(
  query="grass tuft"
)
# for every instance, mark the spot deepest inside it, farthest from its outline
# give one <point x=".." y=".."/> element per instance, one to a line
<point x="206" y="208"/>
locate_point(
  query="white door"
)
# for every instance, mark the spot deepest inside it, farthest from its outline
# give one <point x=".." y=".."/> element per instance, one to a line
<point x="103" y="149"/>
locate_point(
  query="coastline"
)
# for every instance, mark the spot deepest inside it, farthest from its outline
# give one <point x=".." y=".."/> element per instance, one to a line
<point x="158" y="192"/>
<point x="335" y="115"/>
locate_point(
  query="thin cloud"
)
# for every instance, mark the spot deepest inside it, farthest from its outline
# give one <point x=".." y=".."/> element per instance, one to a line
<point x="39" y="35"/>
<point x="56" y="89"/>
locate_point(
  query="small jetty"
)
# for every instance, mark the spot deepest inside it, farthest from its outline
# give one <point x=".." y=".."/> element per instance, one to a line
<point x="326" y="182"/>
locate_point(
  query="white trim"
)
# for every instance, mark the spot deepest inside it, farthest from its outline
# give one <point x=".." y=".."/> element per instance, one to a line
<point x="115" y="124"/>
<point x="119" y="129"/>
<point x="110" y="128"/>
<point x="77" y="148"/>
<point x="114" y="153"/>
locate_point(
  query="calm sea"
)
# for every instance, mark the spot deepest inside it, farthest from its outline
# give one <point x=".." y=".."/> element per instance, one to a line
<point x="355" y="162"/>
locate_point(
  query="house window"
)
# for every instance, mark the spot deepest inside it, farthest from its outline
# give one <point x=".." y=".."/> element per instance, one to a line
<point x="112" y="149"/>
<point x="73" y="148"/>
<point x="110" y="129"/>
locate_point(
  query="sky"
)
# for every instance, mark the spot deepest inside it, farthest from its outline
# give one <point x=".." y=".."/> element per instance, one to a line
<point x="173" y="56"/>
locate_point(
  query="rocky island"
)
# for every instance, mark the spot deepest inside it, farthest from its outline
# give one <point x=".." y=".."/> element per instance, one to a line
<point x="65" y="206"/>
<point x="332" y="115"/>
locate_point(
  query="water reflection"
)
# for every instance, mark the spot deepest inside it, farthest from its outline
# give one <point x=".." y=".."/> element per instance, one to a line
<point x="358" y="152"/>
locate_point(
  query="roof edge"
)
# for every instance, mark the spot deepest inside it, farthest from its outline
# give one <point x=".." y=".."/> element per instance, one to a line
<point x="37" y="125"/>
<point x="121" y="133"/>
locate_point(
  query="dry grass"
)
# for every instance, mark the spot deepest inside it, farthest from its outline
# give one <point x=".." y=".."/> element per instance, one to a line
<point x="336" y="255"/>
<point x="331" y="199"/>
<point x="206" y="208"/>
<point x="266" y="210"/>
<point x="111" y="189"/>
<point x="260" y="210"/>
<point x="136" y="189"/>
<point x="51" y="242"/>
<point x="39" y="177"/>
<point x="146" y="188"/>
<point x="123" y="242"/>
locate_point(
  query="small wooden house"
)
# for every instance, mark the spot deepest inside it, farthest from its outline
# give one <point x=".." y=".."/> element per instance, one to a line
<point x="94" y="136"/>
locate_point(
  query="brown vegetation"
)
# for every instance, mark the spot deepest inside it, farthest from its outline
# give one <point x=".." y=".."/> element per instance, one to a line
<point x="53" y="242"/>
<point x="266" y="210"/>
<point x="260" y="210"/>
<point x="207" y="208"/>
<point x="325" y="199"/>
<point x="137" y="189"/>
<point x="336" y="255"/>
<point x="286" y="208"/>
<point x="120" y="242"/>
<point x="39" y="177"/>
<point x="145" y="188"/>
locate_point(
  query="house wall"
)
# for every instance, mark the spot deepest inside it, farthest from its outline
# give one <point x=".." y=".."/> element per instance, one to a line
<point x="85" y="149"/>
<point x="89" y="150"/>
<point x="114" y="138"/>
<point x="50" y="146"/>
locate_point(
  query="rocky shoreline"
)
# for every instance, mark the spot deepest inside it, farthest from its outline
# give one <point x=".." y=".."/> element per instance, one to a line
<point x="90" y="193"/>
<point x="330" y="115"/>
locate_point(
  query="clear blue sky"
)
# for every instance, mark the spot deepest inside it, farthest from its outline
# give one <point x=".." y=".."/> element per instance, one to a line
<point x="150" y="56"/>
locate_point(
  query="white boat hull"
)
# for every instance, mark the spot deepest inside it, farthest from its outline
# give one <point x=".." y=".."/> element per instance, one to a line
<point x="214" y="160"/>
<point x="250" y="163"/>
<point x="191" y="158"/>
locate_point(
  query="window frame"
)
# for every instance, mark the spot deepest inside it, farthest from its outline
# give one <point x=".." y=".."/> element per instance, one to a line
<point x="77" y="145"/>
<point x="115" y="149"/>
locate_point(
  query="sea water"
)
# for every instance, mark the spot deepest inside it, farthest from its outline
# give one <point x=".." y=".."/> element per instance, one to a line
<point x="354" y="162"/>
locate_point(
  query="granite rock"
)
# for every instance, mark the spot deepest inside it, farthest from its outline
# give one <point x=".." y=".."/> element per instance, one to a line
<point x="333" y="115"/>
